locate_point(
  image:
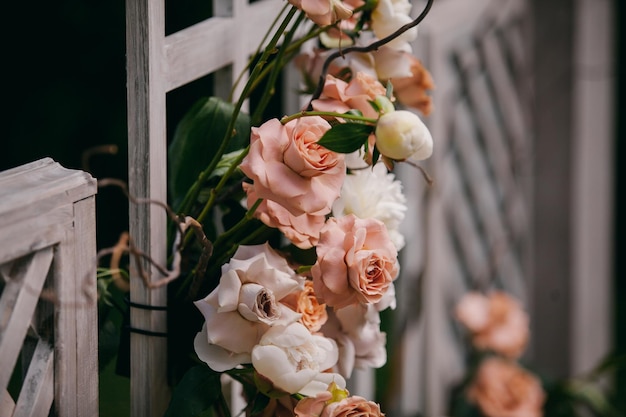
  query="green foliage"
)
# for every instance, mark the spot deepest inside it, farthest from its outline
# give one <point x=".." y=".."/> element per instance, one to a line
<point x="346" y="137"/>
<point x="196" y="393"/>
<point x="197" y="139"/>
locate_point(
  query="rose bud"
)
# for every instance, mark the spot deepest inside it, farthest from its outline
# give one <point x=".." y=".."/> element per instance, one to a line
<point x="402" y="135"/>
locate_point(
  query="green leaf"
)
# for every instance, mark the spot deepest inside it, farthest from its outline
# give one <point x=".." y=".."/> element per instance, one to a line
<point x="196" y="392"/>
<point x="346" y="137"/>
<point x="196" y="140"/>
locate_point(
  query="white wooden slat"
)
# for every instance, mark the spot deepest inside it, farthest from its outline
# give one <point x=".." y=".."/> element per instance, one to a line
<point x="7" y="405"/>
<point x="86" y="311"/>
<point x="37" y="391"/>
<point x="17" y="305"/>
<point x="35" y="188"/>
<point x="216" y="42"/>
<point x="147" y="162"/>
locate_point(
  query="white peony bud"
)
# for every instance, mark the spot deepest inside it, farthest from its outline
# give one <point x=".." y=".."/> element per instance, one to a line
<point x="402" y="135"/>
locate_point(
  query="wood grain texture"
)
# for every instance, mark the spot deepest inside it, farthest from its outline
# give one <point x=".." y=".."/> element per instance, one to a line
<point x="147" y="169"/>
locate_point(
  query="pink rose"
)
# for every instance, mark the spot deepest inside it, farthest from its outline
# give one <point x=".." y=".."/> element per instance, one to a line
<point x="287" y="166"/>
<point x="339" y="96"/>
<point x="353" y="406"/>
<point x="496" y="322"/>
<point x="503" y="389"/>
<point x="356" y="261"/>
<point x="303" y="230"/>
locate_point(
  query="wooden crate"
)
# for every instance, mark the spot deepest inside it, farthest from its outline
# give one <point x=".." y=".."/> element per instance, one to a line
<point x="48" y="309"/>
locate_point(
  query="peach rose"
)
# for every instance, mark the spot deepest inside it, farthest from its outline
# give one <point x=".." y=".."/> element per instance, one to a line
<point x="356" y="261"/>
<point x="287" y="166"/>
<point x="502" y="388"/>
<point x="339" y="96"/>
<point x="353" y="406"/>
<point x="412" y="91"/>
<point x="303" y="230"/>
<point x="496" y="322"/>
<point x="305" y="302"/>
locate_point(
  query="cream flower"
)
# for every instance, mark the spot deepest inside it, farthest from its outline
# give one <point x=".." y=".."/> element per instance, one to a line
<point x="244" y="305"/>
<point x="402" y="135"/>
<point x="389" y="16"/>
<point x="295" y="360"/>
<point x="361" y="343"/>
<point x="374" y="192"/>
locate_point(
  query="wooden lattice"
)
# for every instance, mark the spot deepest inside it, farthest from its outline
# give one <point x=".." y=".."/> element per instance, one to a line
<point x="48" y="314"/>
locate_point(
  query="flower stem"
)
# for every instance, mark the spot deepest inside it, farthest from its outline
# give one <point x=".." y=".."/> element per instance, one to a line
<point x="346" y="116"/>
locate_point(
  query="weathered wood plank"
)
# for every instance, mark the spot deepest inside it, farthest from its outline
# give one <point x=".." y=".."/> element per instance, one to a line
<point x="31" y="190"/>
<point x="23" y="283"/>
<point x="147" y="162"/>
<point x="86" y="314"/>
<point x="37" y="392"/>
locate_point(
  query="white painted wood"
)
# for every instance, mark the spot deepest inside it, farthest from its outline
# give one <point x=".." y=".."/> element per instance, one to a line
<point x="17" y="305"/>
<point x="147" y="162"/>
<point x="37" y="391"/>
<point x="47" y="232"/>
<point x="7" y="405"/>
<point x="593" y="184"/>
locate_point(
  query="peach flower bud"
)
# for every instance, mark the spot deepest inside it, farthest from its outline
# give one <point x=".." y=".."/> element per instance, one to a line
<point x="402" y="135"/>
<point x="502" y="388"/>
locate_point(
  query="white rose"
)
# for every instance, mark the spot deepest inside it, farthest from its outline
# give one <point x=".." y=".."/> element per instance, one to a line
<point x="389" y="16"/>
<point x="294" y="360"/>
<point x="356" y="329"/>
<point x="402" y="135"/>
<point x="244" y="305"/>
<point x="374" y="193"/>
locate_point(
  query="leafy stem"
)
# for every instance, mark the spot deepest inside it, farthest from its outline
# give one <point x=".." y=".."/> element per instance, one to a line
<point x="346" y="116"/>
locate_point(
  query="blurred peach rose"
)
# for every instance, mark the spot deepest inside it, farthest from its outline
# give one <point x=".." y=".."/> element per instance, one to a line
<point x="305" y="302"/>
<point x="412" y="91"/>
<point x="339" y="96"/>
<point x="501" y="388"/>
<point x="288" y="167"/>
<point x="496" y="322"/>
<point x="356" y="261"/>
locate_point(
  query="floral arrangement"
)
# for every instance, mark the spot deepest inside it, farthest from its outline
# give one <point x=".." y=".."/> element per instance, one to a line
<point x="284" y="229"/>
